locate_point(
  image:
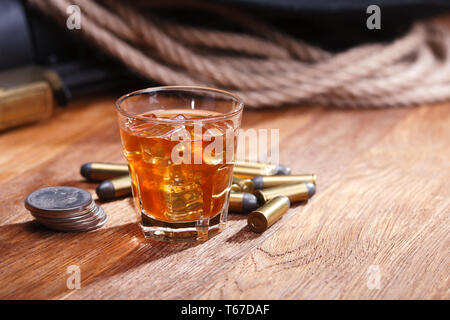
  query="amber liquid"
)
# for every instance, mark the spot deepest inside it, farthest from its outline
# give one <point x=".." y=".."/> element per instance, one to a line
<point x="177" y="192"/>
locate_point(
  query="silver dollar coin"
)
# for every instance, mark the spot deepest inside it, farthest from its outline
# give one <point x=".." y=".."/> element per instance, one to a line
<point x="58" y="199"/>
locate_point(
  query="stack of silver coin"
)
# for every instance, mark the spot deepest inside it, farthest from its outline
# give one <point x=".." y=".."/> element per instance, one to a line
<point x="66" y="209"/>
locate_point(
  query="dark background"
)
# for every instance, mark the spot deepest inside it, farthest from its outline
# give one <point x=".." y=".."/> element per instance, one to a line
<point x="29" y="37"/>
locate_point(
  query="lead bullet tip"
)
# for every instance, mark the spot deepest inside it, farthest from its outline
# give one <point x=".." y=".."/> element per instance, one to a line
<point x="85" y="170"/>
<point x="282" y="170"/>
<point x="311" y="189"/>
<point x="105" y="190"/>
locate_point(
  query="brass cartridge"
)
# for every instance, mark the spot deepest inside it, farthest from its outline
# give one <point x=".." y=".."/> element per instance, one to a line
<point x="295" y="192"/>
<point x="99" y="171"/>
<point x="247" y="172"/>
<point x="245" y="185"/>
<point x="262" y="218"/>
<point x="235" y="188"/>
<point x="242" y="202"/>
<point x="268" y="167"/>
<point x="114" y="188"/>
<point x="261" y="182"/>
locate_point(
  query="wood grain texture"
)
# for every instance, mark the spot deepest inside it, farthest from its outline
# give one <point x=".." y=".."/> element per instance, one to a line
<point x="383" y="200"/>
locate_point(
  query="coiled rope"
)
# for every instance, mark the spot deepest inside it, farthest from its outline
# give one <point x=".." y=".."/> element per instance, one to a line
<point x="267" y="67"/>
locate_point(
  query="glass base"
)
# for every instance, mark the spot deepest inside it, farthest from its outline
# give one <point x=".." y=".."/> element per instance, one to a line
<point x="193" y="231"/>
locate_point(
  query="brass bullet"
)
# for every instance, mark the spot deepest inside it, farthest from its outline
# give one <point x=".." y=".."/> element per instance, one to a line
<point x="114" y="188"/>
<point x="262" y="218"/>
<point x="245" y="185"/>
<point x="295" y="192"/>
<point x="261" y="182"/>
<point x="271" y="169"/>
<point x="235" y="188"/>
<point x="242" y="202"/>
<point x="99" y="171"/>
<point x="246" y="172"/>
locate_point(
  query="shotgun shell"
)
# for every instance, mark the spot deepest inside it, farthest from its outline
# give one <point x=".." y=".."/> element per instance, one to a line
<point x="245" y="185"/>
<point x="114" y="188"/>
<point x="99" y="171"/>
<point x="262" y="218"/>
<point x="261" y="182"/>
<point x="295" y="192"/>
<point x="272" y="169"/>
<point x="242" y="202"/>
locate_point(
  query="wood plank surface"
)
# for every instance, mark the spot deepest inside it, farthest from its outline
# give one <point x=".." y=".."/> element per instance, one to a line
<point x="382" y="203"/>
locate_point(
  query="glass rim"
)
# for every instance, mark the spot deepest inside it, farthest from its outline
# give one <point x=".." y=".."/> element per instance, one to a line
<point x="235" y="98"/>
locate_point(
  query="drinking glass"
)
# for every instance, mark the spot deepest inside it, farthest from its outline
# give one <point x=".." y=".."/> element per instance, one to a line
<point x="180" y="143"/>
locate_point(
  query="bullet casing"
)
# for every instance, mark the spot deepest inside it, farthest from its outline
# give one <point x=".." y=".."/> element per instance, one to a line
<point x="262" y="182"/>
<point x="114" y="188"/>
<point x="245" y="185"/>
<point x="249" y="164"/>
<point x="235" y="188"/>
<point x="99" y="171"/>
<point x="271" y="169"/>
<point x="248" y="172"/>
<point x="265" y="216"/>
<point x="295" y="192"/>
<point x="242" y="202"/>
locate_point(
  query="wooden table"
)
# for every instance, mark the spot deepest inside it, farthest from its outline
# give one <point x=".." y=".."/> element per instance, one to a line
<point x="381" y="212"/>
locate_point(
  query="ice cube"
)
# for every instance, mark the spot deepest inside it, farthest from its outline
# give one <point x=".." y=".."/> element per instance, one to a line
<point x="178" y="117"/>
<point x="183" y="194"/>
<point x="163" y="131"/>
